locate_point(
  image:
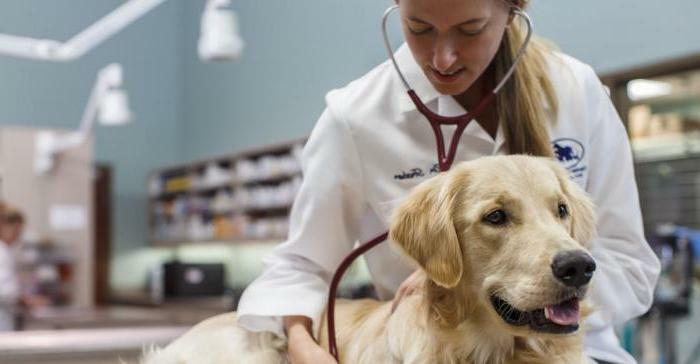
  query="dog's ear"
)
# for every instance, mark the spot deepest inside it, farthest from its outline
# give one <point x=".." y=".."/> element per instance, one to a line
<point x="423" y="226"/>
<point x="582" y="209"/>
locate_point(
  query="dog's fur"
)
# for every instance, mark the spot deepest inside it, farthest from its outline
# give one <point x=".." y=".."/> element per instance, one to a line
<point x="465" y="261"/>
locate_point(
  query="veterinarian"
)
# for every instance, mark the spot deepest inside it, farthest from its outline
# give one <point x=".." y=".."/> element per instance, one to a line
<point x="371" y="146"/>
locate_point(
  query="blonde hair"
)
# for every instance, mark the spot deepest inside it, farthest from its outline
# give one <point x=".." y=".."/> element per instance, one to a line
<point x="522" y="103"/>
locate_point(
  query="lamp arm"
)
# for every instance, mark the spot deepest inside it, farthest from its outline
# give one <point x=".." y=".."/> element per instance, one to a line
<point x="109" y="76"/>
<point x="106" y="27"/>
<point x="69" y="141"/>
<point x="90" y="112"/>
<point x="49" y="144"/>
<point x="24" y="47"/>
<point x="83" y="42"/>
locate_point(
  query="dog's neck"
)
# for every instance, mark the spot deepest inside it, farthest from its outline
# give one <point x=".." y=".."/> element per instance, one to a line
<point x="464" y="332"/>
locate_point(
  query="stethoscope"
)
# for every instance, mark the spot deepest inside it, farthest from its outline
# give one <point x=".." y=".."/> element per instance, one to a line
<point x="444" y="160"/>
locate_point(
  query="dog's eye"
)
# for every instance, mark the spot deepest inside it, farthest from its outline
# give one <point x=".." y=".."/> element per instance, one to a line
<point x="498" y="217"/>
<point x="563" y="211"/>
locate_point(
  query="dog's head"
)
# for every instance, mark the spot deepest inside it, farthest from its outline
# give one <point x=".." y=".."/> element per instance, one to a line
<point x="505" y="235"/>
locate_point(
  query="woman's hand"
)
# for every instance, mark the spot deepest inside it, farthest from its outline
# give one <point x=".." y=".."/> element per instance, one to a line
<point x="301" y="346"/>
<point x="411" y="285"/>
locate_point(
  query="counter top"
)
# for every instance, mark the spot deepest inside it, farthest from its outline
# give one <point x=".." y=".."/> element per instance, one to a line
<point x="83" y="345"/>
<point x="181" y="312"/>
<point x="105" y="334"/>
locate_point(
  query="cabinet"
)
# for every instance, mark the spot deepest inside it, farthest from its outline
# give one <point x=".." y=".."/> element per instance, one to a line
<point x="240" y="197"/>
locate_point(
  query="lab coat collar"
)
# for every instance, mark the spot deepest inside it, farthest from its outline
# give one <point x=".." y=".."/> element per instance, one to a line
<point x="416" y="79"/>
<point x="448" y="106"/>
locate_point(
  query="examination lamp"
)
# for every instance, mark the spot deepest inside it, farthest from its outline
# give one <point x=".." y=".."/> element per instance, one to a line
<point x="108" y="103"/>
<point x="219" y="39"/>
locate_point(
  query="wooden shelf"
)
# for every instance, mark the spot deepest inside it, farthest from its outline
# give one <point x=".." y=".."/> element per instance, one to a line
<point x="215" y="241"/>
<point x="231" y="185"/>
<point x="272" y="215"/>
<point x="251" y="153"/>
<point x="190" y="213"/>
<point x="167" y="195"/>
<point x="268" y="180"/>
<point x="273" y="211"/>
<point x="200" y="190"/>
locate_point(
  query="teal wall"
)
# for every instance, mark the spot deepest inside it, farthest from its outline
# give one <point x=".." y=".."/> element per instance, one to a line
<point x="34" y="93"/>
<point x="615" y="35"/>
<point x="296" y="52"/>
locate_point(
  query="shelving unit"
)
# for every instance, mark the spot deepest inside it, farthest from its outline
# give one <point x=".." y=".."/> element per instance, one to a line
<point x="241" y="197"/>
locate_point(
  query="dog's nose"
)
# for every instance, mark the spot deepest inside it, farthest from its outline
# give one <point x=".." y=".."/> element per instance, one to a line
<point x="574" y="268"/>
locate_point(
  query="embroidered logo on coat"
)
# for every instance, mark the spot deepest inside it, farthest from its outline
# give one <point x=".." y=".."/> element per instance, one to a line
<point x="570" y="153"/>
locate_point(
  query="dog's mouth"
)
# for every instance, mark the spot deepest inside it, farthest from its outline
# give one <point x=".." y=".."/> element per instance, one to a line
<point x="560" y="318"/>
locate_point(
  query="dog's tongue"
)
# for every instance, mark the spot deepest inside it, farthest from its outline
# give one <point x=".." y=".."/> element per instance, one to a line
<point x="565" y="313"/>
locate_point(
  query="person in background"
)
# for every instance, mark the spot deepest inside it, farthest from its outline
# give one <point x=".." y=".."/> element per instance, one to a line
<point x="11" y="226"/>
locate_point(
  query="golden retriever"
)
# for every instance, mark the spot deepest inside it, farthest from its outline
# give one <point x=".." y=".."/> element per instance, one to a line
<point x="502" y="242"/>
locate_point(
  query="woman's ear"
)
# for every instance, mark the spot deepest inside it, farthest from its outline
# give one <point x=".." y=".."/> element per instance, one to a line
<point x="423" y="227"/>
<point x="581" y="207"/>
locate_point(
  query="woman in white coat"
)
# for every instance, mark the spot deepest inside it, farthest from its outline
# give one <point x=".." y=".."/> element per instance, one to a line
<point x="371" y="146"/>
<point x="11" y="226"/>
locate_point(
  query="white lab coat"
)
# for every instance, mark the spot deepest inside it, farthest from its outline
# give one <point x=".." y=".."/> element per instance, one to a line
<point x="371" y="146"/>
<point x="9" y="288"/>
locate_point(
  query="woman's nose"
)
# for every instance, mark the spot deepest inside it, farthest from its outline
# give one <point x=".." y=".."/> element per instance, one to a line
<point x="445" y="55"/>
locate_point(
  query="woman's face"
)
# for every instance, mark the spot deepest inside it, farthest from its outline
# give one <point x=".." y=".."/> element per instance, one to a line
<point x="453" y="41"/>
<point x="11" y="232"/>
